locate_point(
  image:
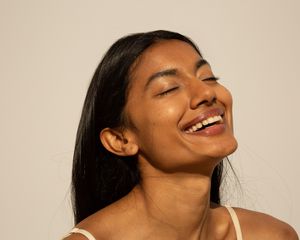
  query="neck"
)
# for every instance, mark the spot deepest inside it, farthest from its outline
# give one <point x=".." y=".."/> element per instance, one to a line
<point x="178" y="203"/>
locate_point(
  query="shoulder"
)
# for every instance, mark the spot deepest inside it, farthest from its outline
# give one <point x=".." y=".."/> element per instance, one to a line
<point x="90" y="228"/>
<point x="94" y="226"/>
<point x="107" y="223"/>
<point x="75" y="237"/>
<point x="257" y="225"/>
<point x="87" y="232"/>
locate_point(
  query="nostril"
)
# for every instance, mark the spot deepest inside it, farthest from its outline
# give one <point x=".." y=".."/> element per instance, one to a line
<point x="202" y="96"/>
<point x="214" y="99"/>
<point x="208" y="102"/>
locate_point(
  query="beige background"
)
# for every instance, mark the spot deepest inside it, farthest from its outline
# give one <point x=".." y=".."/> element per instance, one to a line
<point x="50" y="49"/>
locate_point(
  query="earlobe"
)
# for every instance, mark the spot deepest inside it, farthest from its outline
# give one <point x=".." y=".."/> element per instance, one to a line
<point x="117" y="142"/>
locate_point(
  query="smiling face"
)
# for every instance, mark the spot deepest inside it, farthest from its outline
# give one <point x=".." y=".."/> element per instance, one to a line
<point x="182" y="116"/>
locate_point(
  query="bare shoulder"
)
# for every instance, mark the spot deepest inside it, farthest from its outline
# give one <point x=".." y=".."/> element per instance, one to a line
<point x="93" y="226"/>
<point x="108" y="223"/>
<point x="96" y="225"/>
<point x="80" y="237"/>
<point x="257" y="225"/>
<point x="75" y="237"/>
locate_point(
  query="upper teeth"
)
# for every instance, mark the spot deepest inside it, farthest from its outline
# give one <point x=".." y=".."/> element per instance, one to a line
<point x="205" y="122"/>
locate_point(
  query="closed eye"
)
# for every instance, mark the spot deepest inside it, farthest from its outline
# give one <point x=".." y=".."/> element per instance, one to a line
<point x="168" y="91"/>
<point x="211" y="79"/>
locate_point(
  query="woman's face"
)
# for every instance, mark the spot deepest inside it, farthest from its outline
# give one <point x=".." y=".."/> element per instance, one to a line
<point x="172" y="93"/>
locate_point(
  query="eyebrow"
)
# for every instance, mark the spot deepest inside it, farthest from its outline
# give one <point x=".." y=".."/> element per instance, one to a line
<point x="200" y="63"/>
<point x="173" y="72"/>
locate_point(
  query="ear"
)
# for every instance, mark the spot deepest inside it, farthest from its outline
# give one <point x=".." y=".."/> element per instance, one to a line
<point x="117" y="142"/>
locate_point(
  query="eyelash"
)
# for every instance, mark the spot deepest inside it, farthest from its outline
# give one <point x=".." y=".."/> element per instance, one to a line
<point x="174" y="88"/>
<point x="168" y="91"/>
<point x="211" y="79"/>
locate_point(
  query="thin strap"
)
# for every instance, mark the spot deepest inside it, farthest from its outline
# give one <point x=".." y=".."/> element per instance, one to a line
<point x="236" y="223"/>
<point x="85" y="233"/>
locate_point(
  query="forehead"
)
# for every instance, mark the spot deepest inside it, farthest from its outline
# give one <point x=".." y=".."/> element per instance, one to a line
<point x="165" y="54"/>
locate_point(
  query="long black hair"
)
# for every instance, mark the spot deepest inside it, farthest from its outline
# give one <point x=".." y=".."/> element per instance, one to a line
<point x="99" y="177"/>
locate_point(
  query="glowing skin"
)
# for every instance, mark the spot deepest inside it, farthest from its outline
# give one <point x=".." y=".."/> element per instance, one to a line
<point x="170" y="89"/>
<point x="171" y="95"/>
<point x="160" y="108"/>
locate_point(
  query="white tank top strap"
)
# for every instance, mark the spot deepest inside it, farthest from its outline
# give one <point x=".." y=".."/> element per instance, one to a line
<point x="236" y="222"/>
<point x="85" y="233"/>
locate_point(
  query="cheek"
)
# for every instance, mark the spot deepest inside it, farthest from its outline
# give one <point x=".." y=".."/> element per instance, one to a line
<point x="156" y="113"/>
<point x="224" y="96"/>
<point x="156" y="127"/>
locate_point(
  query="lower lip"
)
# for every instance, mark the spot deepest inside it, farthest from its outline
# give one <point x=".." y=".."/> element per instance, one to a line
<point x="211" y="130"/>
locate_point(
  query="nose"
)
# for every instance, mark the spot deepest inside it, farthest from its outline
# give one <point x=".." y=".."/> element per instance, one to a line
<point x="201" y="93"/>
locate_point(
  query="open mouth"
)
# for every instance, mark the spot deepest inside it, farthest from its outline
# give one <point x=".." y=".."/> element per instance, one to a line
<point x="210" y="121"/>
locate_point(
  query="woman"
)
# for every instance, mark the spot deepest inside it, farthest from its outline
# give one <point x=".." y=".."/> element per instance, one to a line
<point x="155" y="127"/>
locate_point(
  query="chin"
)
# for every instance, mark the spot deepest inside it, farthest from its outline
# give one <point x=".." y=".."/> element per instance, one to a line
<point x="206" y="161"/>
<point x="222" y="149"/>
